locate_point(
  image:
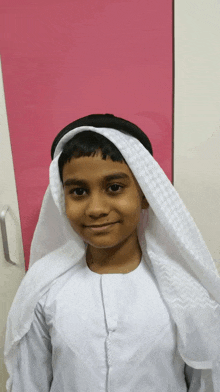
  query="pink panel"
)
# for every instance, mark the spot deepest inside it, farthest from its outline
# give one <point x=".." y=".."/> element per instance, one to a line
<point x="65" y="59"/>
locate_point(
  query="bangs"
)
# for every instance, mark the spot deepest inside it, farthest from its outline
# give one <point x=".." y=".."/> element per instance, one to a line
<point x="85" y="144"/>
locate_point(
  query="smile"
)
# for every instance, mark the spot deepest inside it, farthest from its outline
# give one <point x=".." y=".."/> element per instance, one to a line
<point x="101" y="228"/>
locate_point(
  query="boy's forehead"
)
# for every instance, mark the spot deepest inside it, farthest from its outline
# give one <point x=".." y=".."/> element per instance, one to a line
<point x="95" y="166"/>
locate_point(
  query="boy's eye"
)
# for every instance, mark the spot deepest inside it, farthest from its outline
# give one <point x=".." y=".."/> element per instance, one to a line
<point x="115" y="187"/>
<point x="78" y="191"/>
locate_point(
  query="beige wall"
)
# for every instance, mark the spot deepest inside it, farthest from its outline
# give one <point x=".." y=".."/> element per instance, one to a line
<point x="197" y="114"/>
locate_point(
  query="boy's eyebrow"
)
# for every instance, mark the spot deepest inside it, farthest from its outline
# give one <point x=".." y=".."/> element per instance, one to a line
<point x="110" y="177"/>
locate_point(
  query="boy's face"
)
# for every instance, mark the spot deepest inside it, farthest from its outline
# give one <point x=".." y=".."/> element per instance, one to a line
<point x="103" y="200"/>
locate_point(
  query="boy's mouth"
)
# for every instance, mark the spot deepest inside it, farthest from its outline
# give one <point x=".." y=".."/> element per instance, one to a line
<point x="101" y="227"/>
<point x="104" y="224"/>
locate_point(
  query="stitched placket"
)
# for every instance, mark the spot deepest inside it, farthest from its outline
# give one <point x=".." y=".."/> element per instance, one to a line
<point x="110" y="305"/>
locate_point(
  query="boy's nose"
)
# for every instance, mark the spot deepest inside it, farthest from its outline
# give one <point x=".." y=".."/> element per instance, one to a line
<point x="97" y="206"/>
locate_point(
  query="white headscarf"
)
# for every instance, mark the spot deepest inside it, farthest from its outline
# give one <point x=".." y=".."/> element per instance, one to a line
<point x="180" y="261"/>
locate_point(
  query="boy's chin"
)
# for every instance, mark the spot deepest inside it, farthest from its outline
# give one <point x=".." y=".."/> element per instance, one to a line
<point x="104" y="243"/>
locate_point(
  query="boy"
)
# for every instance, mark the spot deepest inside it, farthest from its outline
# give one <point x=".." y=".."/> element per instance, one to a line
<point x="122" y="293"/>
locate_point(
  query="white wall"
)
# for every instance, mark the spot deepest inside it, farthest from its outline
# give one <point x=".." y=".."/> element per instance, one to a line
<point x="197" y="114"/>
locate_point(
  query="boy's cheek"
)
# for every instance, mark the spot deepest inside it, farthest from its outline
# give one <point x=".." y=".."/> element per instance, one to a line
<point x="70" y="215"/>
<point x="74" y="226"/>
<point x="70" y="208"/>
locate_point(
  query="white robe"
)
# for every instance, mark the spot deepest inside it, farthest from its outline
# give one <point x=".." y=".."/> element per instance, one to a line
<point x="103" y="333"/>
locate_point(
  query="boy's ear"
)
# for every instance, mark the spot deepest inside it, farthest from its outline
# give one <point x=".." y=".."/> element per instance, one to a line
<point x="145" y="203"/>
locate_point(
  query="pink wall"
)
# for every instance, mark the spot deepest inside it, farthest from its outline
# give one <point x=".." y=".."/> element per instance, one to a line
<point x="65" y="59"/>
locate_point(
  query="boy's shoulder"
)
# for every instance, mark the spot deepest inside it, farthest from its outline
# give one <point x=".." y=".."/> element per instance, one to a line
<point x="45" y="270"/>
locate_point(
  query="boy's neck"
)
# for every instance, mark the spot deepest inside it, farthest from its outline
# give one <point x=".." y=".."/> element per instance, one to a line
<point x="120" y="259"/>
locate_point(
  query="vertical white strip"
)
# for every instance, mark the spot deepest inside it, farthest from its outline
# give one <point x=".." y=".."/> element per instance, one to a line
<point x="197" y="114"/>
<point x="10" y="275"/>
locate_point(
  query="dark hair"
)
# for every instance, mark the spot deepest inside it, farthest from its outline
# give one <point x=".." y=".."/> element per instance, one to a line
<point x="87" y="143"/>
